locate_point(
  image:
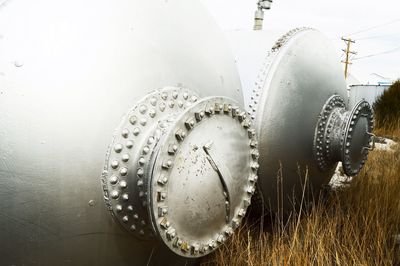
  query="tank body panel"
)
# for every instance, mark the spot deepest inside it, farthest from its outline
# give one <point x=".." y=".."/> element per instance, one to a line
<point x="293" y="83"/>
<point x="306" y="79"/>
<point x="69" y="71"/>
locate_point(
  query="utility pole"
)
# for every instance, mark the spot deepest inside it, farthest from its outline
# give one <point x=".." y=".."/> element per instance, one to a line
<point x="348" y="53"/>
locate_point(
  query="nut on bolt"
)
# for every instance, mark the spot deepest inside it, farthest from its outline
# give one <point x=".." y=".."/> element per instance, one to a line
<point x="180" y="134"/>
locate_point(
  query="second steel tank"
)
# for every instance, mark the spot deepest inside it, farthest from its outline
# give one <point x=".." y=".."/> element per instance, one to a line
<point x="298" y="104"/>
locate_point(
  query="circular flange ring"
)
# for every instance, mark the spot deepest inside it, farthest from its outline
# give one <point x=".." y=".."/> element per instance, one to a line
<point x="356" y="144"/>
<point x="204" y="175"/>
<point x="343" y="135"/>
<point x="322" y="143"/>
<point x="124" y="178"/>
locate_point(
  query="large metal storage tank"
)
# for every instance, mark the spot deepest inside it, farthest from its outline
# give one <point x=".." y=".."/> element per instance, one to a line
<point x="295" y="93"/>
<point x="368" y="93"/>
<point x="71" y="72"/>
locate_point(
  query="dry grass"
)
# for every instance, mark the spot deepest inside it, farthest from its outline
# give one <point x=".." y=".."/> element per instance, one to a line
<point x="353" y="226"/>
<point x="389" y="130"/>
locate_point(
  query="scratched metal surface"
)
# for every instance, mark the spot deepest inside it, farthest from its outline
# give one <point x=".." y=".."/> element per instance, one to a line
<point x="299" y="73"/>
<point x="69" y="70"/>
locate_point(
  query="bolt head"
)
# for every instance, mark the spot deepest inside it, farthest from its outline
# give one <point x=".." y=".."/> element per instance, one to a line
<point x="123" y="184"/>
<point x="113" y="180"/>
<point x="114" y="194"/>
<point x="125" y="197"/>
<point x="118" y="148"/>
<point x="125" y="133"/>
<point x="129" y="144"/>
<point x="114" y="164"/>
<point x="133" y="119"/>
<point x="123" y="171"/>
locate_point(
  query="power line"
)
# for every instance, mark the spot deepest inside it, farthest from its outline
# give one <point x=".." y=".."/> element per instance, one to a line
<point x="376" y="54"/>
<point x="374" y="27"/>
<point x="378" y="36"/>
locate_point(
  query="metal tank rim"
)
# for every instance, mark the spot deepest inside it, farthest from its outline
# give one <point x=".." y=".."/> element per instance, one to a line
<point x="158" y="138"/>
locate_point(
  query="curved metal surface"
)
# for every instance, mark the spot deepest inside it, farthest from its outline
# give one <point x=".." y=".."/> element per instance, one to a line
<point x="156" y="180"/>
<point x="301" y="119"/>
<point x="199" y="192"/>
<point x="69" y="70"/>
<point x="301" y="72"/>
<point x="342" y="135"/>
<point x="127" y="170"/>
<point x="357" y="138"/>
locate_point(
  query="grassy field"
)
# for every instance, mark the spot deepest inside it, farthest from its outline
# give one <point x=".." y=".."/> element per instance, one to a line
<point x="390" y="130"/>
<point x="356" y="225"/>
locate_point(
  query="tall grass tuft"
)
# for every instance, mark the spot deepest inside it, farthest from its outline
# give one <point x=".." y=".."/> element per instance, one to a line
<point x="389" y="129"/>
<point x="355" y="225"/>
<point x="359" y="224"/>
<point x="387" y="110"/>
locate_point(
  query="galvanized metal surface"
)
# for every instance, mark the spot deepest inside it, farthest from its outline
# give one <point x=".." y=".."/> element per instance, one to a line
<point x="127" y="171"/>
<point x="300" y="74"/>
<point x="297" y="82"/>
<point x="69" y="70"/>
<point x="343" y="135"/>
<point x="163" y="179"/>
<point x="368" y="93"/>
<point x="202" y="184"/>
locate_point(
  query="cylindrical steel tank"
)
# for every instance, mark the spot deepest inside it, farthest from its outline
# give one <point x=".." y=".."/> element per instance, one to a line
<point x="367" y="92"/>
<point x="97" y="151"/>
<point x="298" y="103"/>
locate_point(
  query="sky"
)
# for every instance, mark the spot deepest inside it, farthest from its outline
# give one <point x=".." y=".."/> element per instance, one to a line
<point x="335" y="19"/>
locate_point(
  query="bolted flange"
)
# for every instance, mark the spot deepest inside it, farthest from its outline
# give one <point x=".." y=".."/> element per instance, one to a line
<point x="125" y="175"/>
<point x="182" y="170"/>
<point x="203" y="177"/>
<point x="343" y="135"/>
